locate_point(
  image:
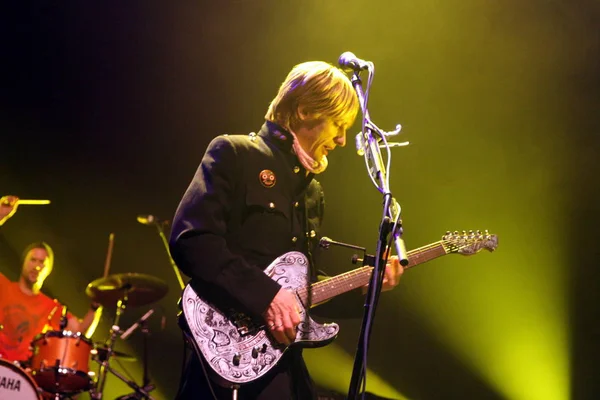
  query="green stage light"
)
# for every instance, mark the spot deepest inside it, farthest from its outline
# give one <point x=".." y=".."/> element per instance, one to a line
<point x="331" y="368"/>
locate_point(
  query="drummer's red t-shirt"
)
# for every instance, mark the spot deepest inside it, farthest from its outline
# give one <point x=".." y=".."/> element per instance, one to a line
<point x="22" y="317"/>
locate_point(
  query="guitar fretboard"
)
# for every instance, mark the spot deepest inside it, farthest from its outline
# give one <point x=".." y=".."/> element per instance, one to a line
<point x="331" y="287"/>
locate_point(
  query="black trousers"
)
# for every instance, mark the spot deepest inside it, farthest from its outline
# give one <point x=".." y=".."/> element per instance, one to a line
<point x="289" y="379"/>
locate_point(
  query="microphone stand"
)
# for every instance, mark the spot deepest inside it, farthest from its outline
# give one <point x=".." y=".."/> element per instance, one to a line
<point x="161" y="233"/>
<point x="390" y="224"/>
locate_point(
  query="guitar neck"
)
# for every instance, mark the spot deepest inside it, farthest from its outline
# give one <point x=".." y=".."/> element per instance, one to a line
<point x="327" y="289"/>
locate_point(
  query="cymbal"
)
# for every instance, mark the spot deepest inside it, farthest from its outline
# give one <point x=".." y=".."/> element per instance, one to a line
<point x="101" y="351"/>
<point x="140" y="289"/>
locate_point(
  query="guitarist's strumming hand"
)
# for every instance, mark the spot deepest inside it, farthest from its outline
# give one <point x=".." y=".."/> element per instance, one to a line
<point x="282" y="317"/>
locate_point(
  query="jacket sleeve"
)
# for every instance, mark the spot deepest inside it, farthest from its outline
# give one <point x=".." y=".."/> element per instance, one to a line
<point x="198" y="237"/>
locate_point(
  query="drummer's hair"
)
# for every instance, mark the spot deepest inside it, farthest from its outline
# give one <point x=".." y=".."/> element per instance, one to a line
<point x="39" y="245"/>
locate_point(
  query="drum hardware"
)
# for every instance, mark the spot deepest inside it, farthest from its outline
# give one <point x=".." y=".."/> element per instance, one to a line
<point x="101" y="353"/>
<point x="128" y="289"/>
<point x="105" y="364"/>
<point x="140" y="392"/>
<point x="63" y="319"/>
<point x="141" y="289"/>
<point x="146" y="385"/>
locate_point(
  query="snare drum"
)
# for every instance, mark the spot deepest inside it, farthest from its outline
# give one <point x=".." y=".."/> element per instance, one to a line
<point x="15" y="384"/>
<point x="60" y="361"/>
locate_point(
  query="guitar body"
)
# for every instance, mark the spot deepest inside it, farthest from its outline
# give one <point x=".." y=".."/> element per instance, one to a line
<point x="240" y="350"/>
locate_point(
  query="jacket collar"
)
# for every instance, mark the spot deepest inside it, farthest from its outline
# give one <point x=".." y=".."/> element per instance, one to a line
<point x="277" y="135"/>
<point x="282" y="139"/>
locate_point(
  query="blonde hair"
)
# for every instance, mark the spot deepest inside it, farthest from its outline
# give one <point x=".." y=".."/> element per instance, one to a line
<point x="40" y="245"/>
<point x="320" y="88"/>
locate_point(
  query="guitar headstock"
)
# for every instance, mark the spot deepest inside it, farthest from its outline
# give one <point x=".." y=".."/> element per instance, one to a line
<point x="468" y="243"/>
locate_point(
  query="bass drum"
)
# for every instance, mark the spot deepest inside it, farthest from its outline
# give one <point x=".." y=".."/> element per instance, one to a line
<point x="15" y="384"/>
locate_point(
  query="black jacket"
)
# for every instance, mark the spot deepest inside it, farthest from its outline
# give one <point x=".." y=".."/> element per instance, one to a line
<point x="249" y="202"/>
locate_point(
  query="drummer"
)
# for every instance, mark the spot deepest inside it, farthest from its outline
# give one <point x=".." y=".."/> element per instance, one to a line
<point x="24" y="310"/>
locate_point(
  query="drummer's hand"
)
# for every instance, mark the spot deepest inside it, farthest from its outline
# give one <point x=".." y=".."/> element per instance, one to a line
<point x="8" y="206"/>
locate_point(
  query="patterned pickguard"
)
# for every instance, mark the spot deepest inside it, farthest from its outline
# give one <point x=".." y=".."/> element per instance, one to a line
<point x="238" y="349"/>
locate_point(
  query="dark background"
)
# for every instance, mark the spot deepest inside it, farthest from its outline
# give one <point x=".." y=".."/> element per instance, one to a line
<point x="106" y="109"/>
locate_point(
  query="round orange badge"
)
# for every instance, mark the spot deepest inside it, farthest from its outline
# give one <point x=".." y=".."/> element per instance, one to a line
<point x="267" y="178"/>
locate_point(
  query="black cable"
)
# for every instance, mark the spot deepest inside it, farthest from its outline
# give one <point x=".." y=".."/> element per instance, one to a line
<point x="201" y="361"/>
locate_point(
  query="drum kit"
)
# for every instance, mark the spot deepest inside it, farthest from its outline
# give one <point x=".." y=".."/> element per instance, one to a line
<point x="59" y="367"/>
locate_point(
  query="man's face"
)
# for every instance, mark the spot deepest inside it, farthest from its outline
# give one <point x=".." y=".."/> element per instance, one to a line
<point x="320" y="136"/>
<point x="36" y="266"/>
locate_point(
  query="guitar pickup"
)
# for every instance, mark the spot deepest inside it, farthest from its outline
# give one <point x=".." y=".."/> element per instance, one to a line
<point x="244" y="324"/>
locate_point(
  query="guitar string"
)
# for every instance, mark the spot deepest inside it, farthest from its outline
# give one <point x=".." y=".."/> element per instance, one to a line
<point x="360" y="271"/>
<point x="349" y="278"/>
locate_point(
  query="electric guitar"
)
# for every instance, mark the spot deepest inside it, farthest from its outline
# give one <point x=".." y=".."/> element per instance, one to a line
<point x="240" y="350"/>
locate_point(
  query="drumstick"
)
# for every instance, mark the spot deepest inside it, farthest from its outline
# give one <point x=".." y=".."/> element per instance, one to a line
<point x="32" y="202"/>
<point x="48" y="325"/>
<point x="111" y="241"/>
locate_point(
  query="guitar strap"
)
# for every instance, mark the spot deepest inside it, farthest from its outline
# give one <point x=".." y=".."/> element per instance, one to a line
<point x="309" y="242"/>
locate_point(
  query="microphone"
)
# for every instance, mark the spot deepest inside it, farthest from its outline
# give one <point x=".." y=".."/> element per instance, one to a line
<point x="140" y="321"/>
<point x="349" y="61"/>
<point x="148" y="219"/>
<point x="360" y="144"/>
<point x="325" y="242"/>
<point x="63" y="319"/>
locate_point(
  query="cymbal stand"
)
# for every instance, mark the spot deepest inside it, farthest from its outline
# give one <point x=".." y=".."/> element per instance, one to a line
<point x="110" y="342"/>
<point x="146" y="385"/>
<point x="146" y="333"/>
<point x="143" y="391"/>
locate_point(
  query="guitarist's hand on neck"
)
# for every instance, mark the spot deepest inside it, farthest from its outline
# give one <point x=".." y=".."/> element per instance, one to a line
<point x="282" y="317"/>
<point x="391" y="278"/>
<point x="393" y="272"/>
